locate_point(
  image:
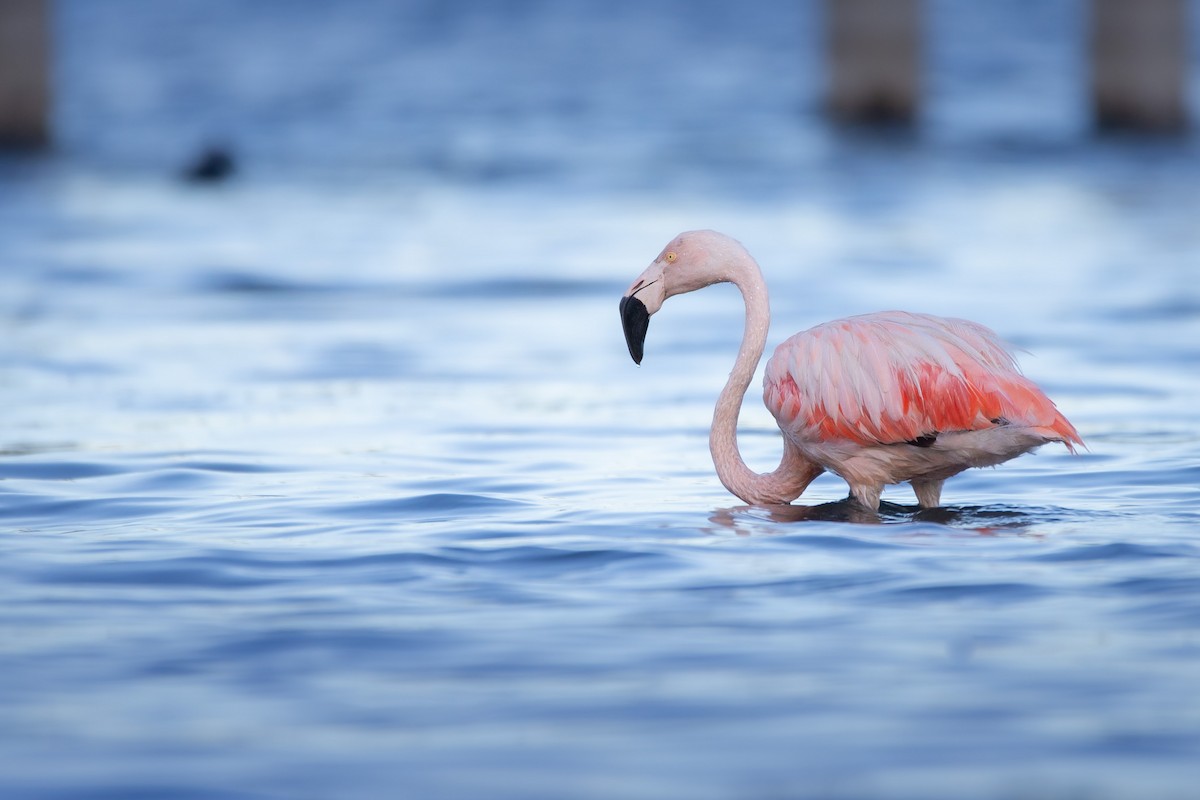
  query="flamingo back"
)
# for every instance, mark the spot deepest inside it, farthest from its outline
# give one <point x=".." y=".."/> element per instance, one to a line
<point x="896" y="376"/>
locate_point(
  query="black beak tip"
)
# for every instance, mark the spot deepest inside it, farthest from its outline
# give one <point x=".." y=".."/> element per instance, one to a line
<point x="635" y="320"/>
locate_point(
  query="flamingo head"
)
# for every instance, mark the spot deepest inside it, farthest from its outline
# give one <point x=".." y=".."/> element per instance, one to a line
<point x="691" y="261"/>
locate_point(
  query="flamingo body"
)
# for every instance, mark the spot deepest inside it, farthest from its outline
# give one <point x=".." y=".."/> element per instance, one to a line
<point x="878" y="399"/>
<point x="893" y="396"/>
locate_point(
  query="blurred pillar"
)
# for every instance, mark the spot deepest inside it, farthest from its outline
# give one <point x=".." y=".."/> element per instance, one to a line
<point x="1139" y="63"/>
<point x="874" y="59"/>
<point x="24" y="73"/>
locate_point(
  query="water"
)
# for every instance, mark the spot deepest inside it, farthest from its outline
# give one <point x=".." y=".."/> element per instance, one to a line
<point x="337" y="480"/>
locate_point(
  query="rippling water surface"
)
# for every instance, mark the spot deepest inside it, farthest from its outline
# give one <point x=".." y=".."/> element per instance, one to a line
<point x="337" y="480"/>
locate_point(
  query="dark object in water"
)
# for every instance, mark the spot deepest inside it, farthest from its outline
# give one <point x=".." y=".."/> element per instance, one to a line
<point x="212" y="165"/>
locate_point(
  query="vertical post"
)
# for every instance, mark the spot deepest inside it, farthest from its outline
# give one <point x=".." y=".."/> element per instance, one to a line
<point x="24" y="73"/>
<point x="874" y="59"/>
<point x="1139" y="63"/>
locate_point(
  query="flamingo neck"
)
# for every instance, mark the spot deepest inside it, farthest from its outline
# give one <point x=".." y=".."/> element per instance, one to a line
<point x="722" y="441"/>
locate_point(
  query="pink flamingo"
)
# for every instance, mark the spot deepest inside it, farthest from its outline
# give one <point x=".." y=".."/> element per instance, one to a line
<point x="877" y="399"/>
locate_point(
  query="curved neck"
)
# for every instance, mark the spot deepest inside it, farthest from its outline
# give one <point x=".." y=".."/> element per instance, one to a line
<point x="722" y="440"/>
<point x="795" y="472"/>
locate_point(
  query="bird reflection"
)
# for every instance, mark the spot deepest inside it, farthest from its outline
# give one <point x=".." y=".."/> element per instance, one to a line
<point x="983" y="520"/>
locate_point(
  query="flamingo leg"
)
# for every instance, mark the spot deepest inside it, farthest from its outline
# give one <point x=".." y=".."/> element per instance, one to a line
<point x="867" y="494"/>
<point x="929" y="492"/>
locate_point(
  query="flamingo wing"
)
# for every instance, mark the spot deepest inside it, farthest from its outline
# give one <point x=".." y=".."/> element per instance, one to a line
<point x="896" y="377"/>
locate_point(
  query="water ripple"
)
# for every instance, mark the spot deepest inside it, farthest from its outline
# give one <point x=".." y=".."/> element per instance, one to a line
<point x="32" y="509"/>
<point x="435" y="507"/>
<point x="190" y="572"/>
<point x="66" y="470"/>
<point x="1115" y="551"/>
<point x="984" y="592"/>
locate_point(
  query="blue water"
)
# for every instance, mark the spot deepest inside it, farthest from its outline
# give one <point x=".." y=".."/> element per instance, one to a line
<point x="336" y="480"/>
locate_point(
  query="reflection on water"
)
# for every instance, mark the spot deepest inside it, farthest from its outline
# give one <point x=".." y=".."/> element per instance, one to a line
<point x="335" y="480"/>
<point x="980" y="519"/>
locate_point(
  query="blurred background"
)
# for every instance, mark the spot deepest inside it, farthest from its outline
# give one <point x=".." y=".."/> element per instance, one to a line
<point x="341" y="151"/>
<point x="624" y="95"/>
<point x="325" y="471"/>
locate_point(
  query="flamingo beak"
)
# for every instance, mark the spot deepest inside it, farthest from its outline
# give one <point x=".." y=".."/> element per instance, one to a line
<point x="635" y="320"/>
<point x="643" y="298"/>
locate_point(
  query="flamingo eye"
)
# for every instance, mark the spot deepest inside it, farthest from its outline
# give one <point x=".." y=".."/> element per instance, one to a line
<point x="671" y="256"/>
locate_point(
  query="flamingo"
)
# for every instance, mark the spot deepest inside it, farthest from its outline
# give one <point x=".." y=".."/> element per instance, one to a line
<point x="877" y="399"/>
